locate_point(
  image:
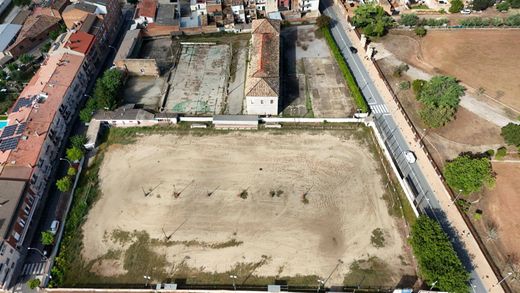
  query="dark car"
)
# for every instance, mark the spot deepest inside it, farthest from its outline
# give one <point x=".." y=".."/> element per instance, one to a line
<point x="353" y="50"/>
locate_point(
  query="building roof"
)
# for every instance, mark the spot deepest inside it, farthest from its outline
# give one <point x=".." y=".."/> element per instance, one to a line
<point x="34" y="112"/>
<point x="147" y="8"/>
<point x="46" y="11"/>
<point x="132" y="37"/>
<point x="35" y="25"/>
<point x="21" y="17"/>
<point x="251" y="118"/>
<point x="167" y="14"/>
<point x="11" y="192"/>
<point x="263" y="76"/>
<point x="124" y="114"/>
<point x="80" y="42"/>
<point x="81" y="6"/>
<point x="88" y="22"/>
<point x="7" y="34"/>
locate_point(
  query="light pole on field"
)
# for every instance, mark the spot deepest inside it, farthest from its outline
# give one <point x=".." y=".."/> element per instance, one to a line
<point x="66" y="160"/>
<point x="433" y="284"/>
<point x="147" y="279"/>
<point x="500" y="282"/>
<point x="233" y="278"/>
<point x="320" y="283"/>
<point x="44" y="257"/>
<point x="457" y="197"/>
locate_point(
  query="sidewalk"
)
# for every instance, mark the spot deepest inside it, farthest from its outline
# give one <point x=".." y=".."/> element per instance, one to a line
<point x="482" y="267"/>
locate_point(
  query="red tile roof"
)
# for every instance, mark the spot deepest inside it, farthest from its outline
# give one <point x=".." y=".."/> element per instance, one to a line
<point x="80" y="42"/>
<point x="147" y="8"/>
<point x="51" y="82"/>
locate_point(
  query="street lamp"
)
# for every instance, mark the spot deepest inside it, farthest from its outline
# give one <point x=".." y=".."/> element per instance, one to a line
<point x="66" y="160"/>
<point x="433" y="284"/>
<point x="233" y="278"/>
<point x="147" y="279"/>
<point x="320" y="283"/>
<point x="499" y="282"/>
<point x="44" y="257"/>
<point x="457" y="197"/>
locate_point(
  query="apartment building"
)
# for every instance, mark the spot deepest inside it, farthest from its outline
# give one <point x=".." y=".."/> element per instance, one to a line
<point x="262" y="89"/>
<point x="29" y="147"/>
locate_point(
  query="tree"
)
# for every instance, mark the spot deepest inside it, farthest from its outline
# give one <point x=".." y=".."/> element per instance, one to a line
<point x="514" y="3"/>
<point x="323" y="21"/>
<point x="74" y="154"/>
<point x="503" y="6"/>
<point x="409" y="19"/>
<point x="482" y="4"/>
<point x="372" y="19"/>
<point x="435" y="117"/>
<point x="107" y="89"/>
<point x="22" y="2"/>
<point x="47" y="238"/>
<point x="438" y="261"/>
<point x="456" y="6"/>
<point x="417" y="86"/>
<point x="442" y="91"/>
<point x="26" y="58"/>
<point x="33" y="283"/>
<point x="469" y="174"/>
<point x="511" y="134"/>
<point x="71" y="171"/>
<point x="78" y="141"/>
<point x="64" y="184"/>
<point x="133" y="2"/>
<point x="420" y="31"/>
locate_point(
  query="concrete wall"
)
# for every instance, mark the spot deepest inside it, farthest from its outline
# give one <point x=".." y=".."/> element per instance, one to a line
<point x="139" y="66"/>
<point x="262" y="105"/>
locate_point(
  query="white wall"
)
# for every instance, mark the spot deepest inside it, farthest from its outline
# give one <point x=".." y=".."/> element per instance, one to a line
<point x="7" y="252"/>
<point x="262" y="105"/>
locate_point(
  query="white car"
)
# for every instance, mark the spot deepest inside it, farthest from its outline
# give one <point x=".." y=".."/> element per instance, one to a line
<point x="465" y="11"/>
<point x="410" y="157"/>
<point x="54" y="227"/>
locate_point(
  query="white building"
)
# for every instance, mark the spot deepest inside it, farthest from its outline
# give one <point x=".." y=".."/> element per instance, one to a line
<point x="309" y="6"/>
<point x="199" y="7"/>
<point x="263" y="73"/>
<point x="238" y="10"/>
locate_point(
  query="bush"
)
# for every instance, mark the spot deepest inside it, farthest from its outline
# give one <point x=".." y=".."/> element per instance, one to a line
<point x="417" y="86"/>
<point x="435" y="117"/>
<point x="64" y="184"/>
<point x="511" y="134"/>
<point x="409" y="19"/>
<point x="433" y="22"/>
<point x="33" y="283"/>
<point x="398" y="70"/>
<point x="404" y="85"/>
<point x="503" y="6"/>
<point x="438" y="261"/>
<point x="501" y="153"/>
<point x="78" y="141"/>
<point x="456" y="6"/>
<point x="345" y="70"/>
<point x="490" y="153"/>
<point x="372" y="20"/>
<point x="47" y="238"/>
<point x="482" y="4"/>
<point x="514" y="3"/>
<point x="469" y="174"/>
<point x="74" y="154"/>
<point x="323" y="21"/>
<point x="420" y="31"/>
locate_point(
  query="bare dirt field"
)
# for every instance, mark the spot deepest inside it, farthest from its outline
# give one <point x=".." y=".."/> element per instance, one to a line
<point x="480" y="58"/>
<point x="258" y="205"/>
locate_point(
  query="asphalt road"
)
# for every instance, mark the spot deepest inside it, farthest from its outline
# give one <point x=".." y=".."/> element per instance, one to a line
<point x="425" y="200"/>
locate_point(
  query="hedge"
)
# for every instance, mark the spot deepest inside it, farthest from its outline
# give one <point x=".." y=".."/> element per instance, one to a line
<point x="347" y="74"/>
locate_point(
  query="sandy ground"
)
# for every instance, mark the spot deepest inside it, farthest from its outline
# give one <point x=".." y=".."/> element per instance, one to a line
<point x="479" y="58"/>
<point x="339" y="175"/>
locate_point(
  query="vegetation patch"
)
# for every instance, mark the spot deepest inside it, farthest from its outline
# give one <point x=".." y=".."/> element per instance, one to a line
<point x="469" y="174"/>
<point x="371" y="272"/>
<point x="378" y="238"/>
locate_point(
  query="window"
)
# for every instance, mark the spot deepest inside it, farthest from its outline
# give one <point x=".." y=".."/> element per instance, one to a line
<point x="16" y="236"/>
<point x="22" y="222"/>
<point x="252" y="102"/>
<point x="272" y="101"/>
<point x="26" y="209"/>
<point x="262" y="102"/>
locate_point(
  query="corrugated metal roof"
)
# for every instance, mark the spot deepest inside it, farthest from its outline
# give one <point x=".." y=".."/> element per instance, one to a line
<point x="7" y="33"/>
<point x="217" y="118"/>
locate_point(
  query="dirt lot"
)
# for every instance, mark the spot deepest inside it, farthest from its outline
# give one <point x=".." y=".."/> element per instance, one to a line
<point x="313" y="83"/>
<point x="261" y="204"/>
<point x="480" y="58"/>
<point x="144" y="91"/>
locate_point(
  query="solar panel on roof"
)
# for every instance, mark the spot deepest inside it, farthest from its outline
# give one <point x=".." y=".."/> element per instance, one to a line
<point x="21" y="128"/>
<point x="22" y="102"/>
<point x="9" y="143"/>
<point x="8" y="131"/>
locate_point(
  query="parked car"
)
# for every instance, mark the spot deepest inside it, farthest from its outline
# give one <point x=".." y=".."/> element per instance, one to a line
<point x="465" y="11"/>
<point x="410" y="157"/>
<point x="353" y="50"/>
<point x="54" y="227"/>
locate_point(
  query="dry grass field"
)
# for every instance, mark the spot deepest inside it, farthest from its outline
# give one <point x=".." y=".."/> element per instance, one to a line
<point x="261" y="205"/>
<point x="487" y="59"/>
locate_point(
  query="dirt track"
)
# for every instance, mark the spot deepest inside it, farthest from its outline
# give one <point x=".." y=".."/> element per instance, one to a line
<point x="344" y="193"/>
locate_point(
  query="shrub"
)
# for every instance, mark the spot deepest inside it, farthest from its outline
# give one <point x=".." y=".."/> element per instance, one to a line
<point x="420" y="31"/>
<point x="490" y="153"/>
<point x="438" y="261"/>
<point x="47" y="238"/>
<point x="345" y="70"/>
<point x="64" y="184"/>
<point x="78" y="141"/>
<point x="503" y="6"/>
<point x="71" y="171"/>
<point x="435" y="117"/>
<point x="33" y="283"/>
<point x="409" y="19"/>
<point x="482" y="4"/>
<point x="404" y="85"/>
<point x="511" y="134"/>
<point x="469" y="174"/>
<point x="372" y="19"/>
<point x="74" y="154"/>
<point x="398" y="70"/>
<point x="501" y="153"/>
<point x="456" y="6"/>
<point x="323" y="21"/>
<point x="514" y="3"/>
<point x="417" y="86"/>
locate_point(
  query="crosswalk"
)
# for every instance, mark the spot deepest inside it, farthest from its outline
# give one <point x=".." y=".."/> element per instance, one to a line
<point x="35" y="268"/>
<point x="379" y="109"/>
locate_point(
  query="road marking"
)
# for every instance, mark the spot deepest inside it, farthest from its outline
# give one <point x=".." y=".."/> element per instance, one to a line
<point x="35" y="268"/>
<point x="379" y="109"/>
